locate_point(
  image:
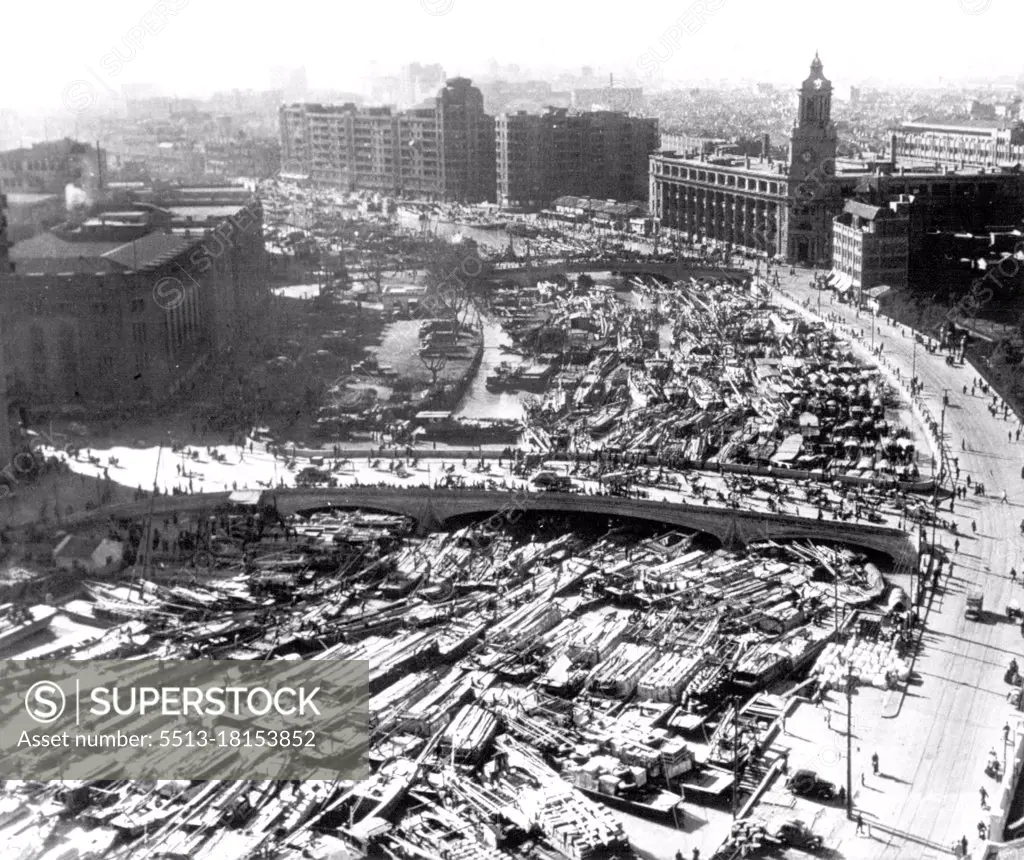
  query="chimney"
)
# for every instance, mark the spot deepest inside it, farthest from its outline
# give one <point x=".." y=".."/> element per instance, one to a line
<point x="746" y="162"/>
<point x="766" y="144"/>
<point x="892" y="148"/>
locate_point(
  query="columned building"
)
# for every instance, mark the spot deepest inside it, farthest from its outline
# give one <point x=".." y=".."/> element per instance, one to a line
<point x="780" y="208"/>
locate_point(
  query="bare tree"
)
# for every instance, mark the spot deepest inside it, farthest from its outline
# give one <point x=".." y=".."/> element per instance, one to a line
<point x="435" y="362"/>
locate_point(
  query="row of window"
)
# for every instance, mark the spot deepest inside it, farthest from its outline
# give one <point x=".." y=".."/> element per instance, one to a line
<point x="728" y="180"/>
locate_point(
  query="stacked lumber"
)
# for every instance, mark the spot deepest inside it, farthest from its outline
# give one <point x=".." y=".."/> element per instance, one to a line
<point x="664" y="681"/>
<point x="618" y="674"/>
<point x="595" y="634"/>
<point x="469" y="734"/>
<point x="385" y="706"/>
<point x="527" y="623"/>
<point x="431" y="713"/>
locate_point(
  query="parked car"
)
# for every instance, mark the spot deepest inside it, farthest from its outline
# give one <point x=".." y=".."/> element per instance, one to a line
<point x="808" y="784"/>
<point x="797" y="834"/>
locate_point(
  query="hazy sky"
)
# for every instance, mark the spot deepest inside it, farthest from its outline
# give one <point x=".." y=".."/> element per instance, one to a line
<point x="196" y="46"/>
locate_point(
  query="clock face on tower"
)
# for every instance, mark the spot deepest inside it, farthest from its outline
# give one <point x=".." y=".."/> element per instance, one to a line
<point x="818" y="83"/>
<point x="807" y="156"/>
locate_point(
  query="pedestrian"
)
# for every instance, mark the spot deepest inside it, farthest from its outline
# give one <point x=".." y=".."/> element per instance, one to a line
<point x="963" y="444"/>
<point x="974" y="526"/>
<point x="963" y="844"/>
<point x="696" y="854"/>
<point x="956" y="545"/>
<point x="984" y="797"/>
<point x="874" y="763"/>
<point x="1006" y="733"/>
<point x="1013" y="574"/>
<point x="862" y="780"/>
<point x="860" y="824"/>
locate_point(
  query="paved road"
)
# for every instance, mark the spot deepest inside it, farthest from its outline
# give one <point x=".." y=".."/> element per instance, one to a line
<point x="935" y="750"/>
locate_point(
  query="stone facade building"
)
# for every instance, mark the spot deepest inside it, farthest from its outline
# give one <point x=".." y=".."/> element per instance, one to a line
<point x="782" y="209"/>
<point x="124" y="305"/>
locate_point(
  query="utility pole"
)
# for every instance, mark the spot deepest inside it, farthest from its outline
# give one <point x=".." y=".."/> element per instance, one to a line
<point x="849" y="742"/>
<point x="835" y="607"/>
<point x="735" y="753"/>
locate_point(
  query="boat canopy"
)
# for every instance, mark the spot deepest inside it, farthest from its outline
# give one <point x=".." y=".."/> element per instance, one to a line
<point x="789" y="450"/>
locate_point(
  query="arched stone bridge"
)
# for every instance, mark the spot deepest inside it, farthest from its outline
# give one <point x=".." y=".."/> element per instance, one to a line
<point x="433" y="507"/>
<point x="734" y="528"/>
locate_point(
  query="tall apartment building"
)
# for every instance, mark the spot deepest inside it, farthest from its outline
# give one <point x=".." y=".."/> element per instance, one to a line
<point x="443" y="148"/>
<point x="601" y="154"/>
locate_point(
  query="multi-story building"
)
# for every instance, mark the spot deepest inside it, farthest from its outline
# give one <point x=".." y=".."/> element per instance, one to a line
<point x="467" y="142"/>
<point x="960" y="142"/>
<point x="122" y="306"/>
<point x="871" y="245"/>
<point x="946" y="200"/>
<point x="443" y="148"/>
<point x="779" y="208"/>
<point x="523" y="160"/>
<point x="48" y="167"/>
<point x="601" y="154"/>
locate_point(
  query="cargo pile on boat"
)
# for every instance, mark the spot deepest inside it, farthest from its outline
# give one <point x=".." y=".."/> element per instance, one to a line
<point x="703" y="372"/>
<point x="524" y="682"/>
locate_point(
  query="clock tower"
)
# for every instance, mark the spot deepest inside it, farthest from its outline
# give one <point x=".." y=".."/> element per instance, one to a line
<point x="812" y="195"/>
<point x="812" y="148"/>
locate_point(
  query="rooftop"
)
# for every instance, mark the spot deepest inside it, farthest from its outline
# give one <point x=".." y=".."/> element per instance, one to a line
<point x="201" y="213"/>
<point x="49" y="253"/>
<point x="735" y="164"/>
<point x="959" y="122"/>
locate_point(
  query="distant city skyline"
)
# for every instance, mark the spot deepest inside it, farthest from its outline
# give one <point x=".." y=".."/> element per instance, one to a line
<point x="191" y="48"/>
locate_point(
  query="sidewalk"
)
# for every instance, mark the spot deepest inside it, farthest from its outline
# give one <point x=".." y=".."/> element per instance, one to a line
<point x="934" y="754"/>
